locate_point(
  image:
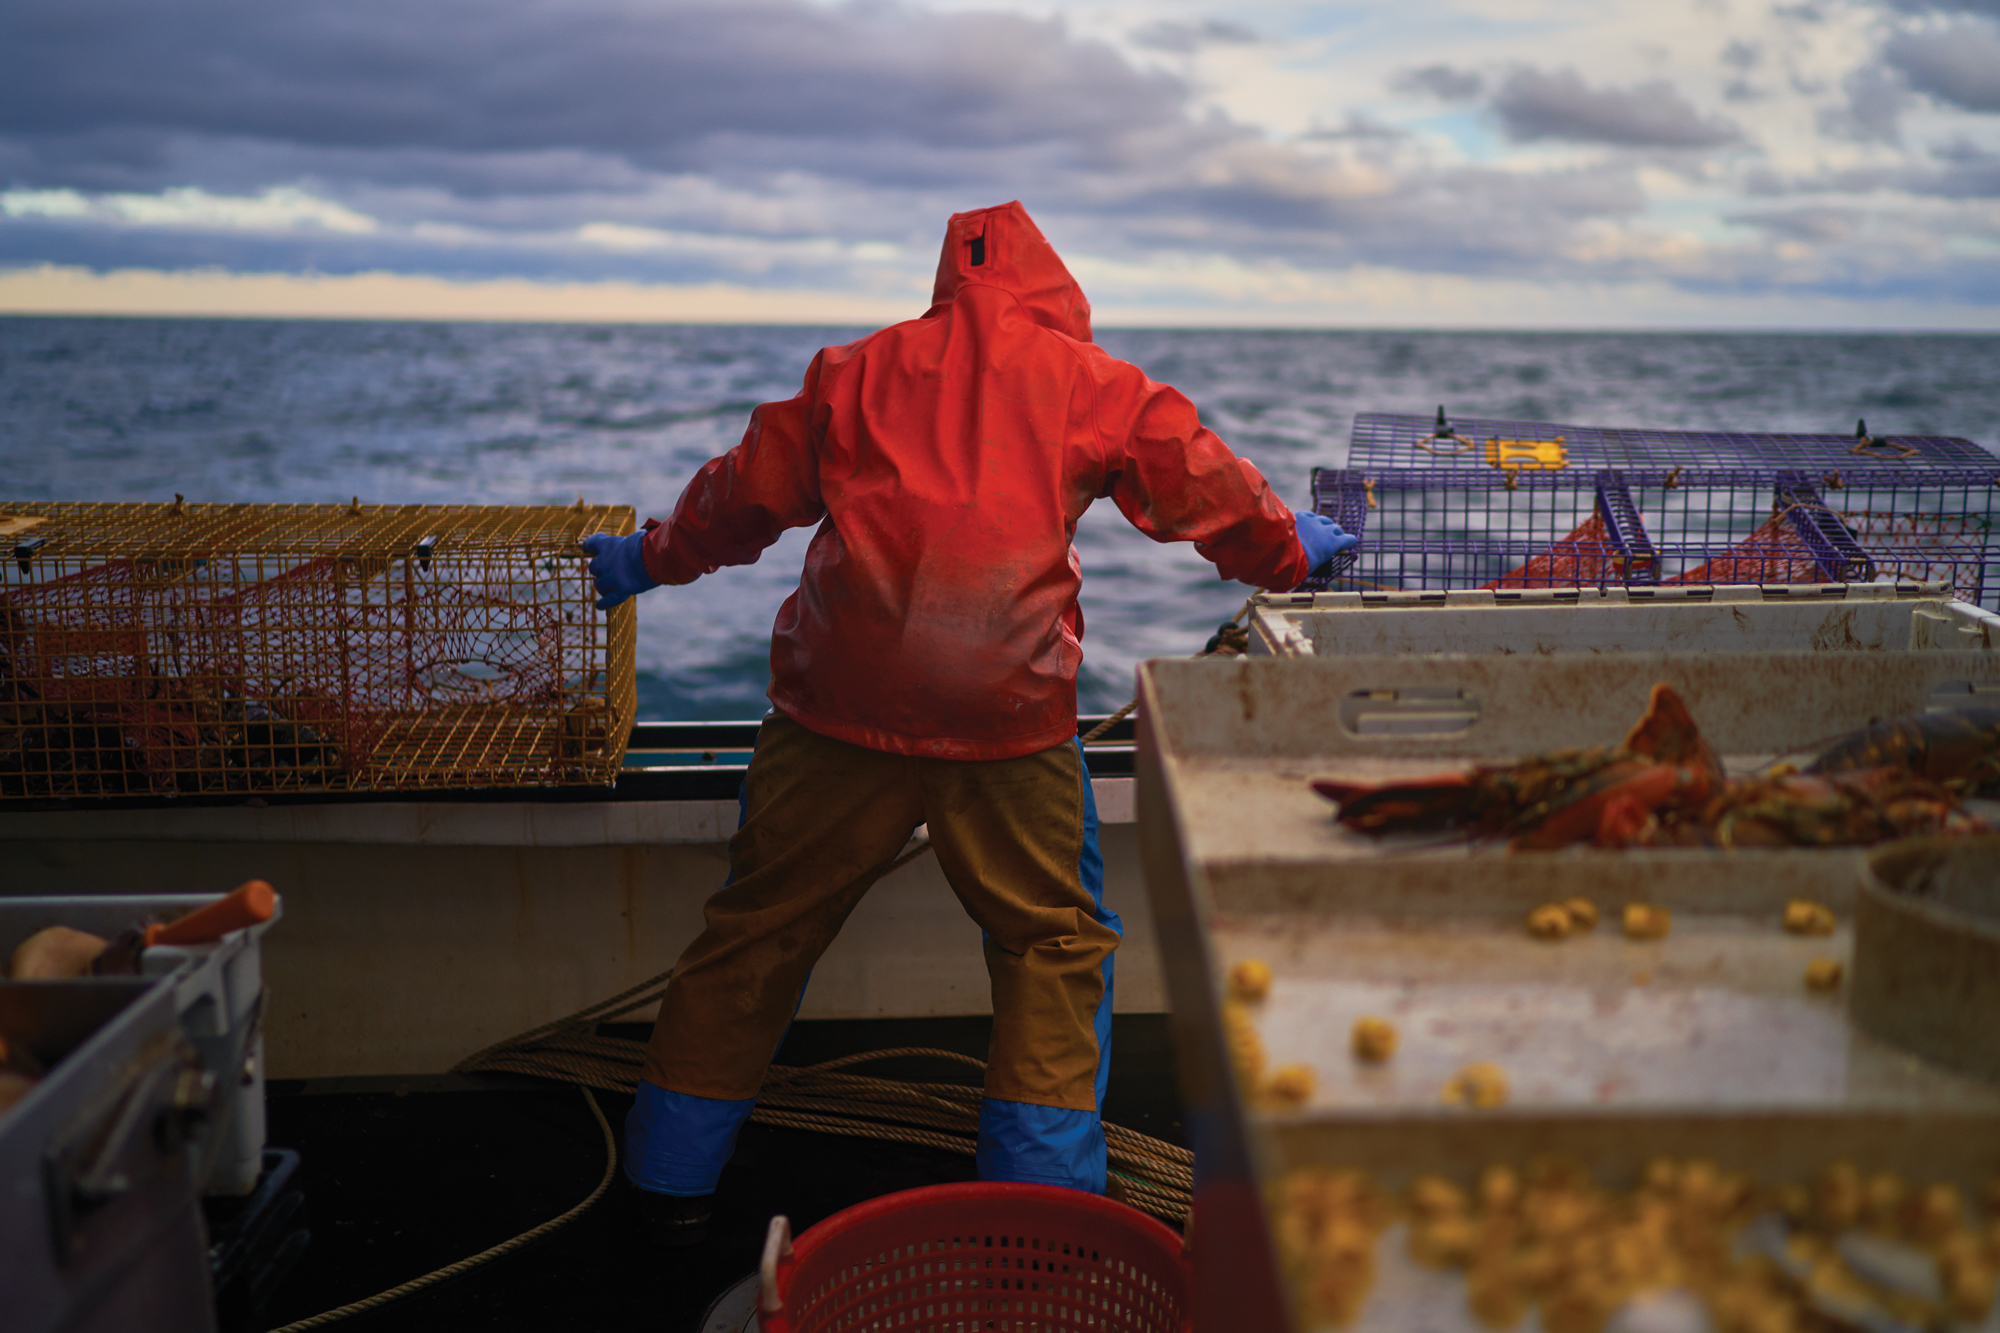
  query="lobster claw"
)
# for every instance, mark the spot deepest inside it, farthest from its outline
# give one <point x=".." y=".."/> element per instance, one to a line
<point x="1417" y="803"/>
<point x="1625" y="822"/>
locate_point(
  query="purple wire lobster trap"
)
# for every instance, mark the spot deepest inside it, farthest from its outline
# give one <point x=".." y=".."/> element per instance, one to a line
<point x="1531" y="504"/>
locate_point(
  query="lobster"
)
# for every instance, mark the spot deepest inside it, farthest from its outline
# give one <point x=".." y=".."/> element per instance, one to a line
<point x="1552" y="800"/>
<point x="1663" y="787"/>
<point x="1850" y="808"/>
<point x="1958" y="750"/>
<point x="1896" y="779"/>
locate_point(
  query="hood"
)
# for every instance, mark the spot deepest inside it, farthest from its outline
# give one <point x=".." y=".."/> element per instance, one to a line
<point x="1002" y="247"/>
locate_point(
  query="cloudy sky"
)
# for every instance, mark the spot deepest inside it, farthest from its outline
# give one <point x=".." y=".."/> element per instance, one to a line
<point x="1629" y="163"/>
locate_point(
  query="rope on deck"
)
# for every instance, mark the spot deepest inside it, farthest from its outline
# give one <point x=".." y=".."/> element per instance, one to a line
<point x="1156" y="1176"/>
<point x="1147" y="1173"/>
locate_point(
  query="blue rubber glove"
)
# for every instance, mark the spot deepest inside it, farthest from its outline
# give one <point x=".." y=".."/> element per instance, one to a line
<point x="1323" y="538"/>
<point x="617" y="567"/>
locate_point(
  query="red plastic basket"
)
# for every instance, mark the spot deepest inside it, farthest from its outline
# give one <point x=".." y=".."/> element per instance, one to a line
<point x="969" y="1258"/>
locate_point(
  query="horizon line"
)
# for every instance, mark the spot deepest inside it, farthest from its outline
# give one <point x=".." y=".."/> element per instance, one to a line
<point x="1362" y="301"/>
<point x="1123" y="326"/>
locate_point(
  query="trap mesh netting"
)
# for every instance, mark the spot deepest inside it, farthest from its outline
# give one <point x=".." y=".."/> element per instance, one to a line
<point x="1518" y="504"/>
<point x="155" y="648"/>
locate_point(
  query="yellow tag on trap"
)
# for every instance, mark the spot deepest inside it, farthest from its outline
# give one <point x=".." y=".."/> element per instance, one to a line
<point x="1547" y="455"/>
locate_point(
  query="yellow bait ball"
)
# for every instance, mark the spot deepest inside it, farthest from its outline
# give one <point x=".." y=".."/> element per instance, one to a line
<point x="1290" y="1085"/>
<point x="1246" y="1048"/>
<point x="1499" y="1188"/>
<point x="1250" y="981"/>
<point x="1443" y="1242"/>
<point x="1805" y="917"/>
<point x="1482" y="1085"/>
<point x="1582" y="913"/>
<point x="1550" y="921"/>
<point x="1837" y="1197"/>
<point x="1374" y="1039"/>
<point x="1433" y="1197"/>
<point x="1935" y="1212"/>
<point x="1824" y="974"/>
<point x="1643" y="921"/>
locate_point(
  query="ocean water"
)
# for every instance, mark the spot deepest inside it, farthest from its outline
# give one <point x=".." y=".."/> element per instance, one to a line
<point x="241" y="410"/>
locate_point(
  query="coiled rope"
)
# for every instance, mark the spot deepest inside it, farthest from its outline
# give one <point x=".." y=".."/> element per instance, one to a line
<point x="1152" y="1174"/>
<point x="1148" y="1173"/>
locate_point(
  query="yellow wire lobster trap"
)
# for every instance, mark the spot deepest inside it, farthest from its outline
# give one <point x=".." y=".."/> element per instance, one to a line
<point x="154" y="649"/>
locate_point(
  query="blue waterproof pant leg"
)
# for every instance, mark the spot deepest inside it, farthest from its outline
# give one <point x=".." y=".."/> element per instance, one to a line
<point x="1053" y="1145"/>
<point x="676" y="1142"/>
<point x="1016" y="839"/>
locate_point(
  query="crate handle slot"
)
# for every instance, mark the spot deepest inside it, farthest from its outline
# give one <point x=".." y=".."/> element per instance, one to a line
<point x="1419" y="711"/>
<point x="1950" y="696"/>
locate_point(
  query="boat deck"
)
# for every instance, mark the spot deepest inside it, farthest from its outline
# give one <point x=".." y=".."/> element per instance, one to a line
<point x="403" y="1176"/>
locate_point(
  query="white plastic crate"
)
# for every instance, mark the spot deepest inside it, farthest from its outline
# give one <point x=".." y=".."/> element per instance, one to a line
<point x="1828" y="617"/>
<point x="100" y="1210"/>
<point x="218" y="997"/>
<point x="1703" y="1044"/>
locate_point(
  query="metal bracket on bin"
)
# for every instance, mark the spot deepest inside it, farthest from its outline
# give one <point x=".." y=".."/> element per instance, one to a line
<point x="227" y="1058"/>
<point x="110" y="1156"/>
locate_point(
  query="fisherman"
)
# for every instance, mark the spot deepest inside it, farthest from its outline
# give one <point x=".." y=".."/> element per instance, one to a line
<point x="924" y="673"/>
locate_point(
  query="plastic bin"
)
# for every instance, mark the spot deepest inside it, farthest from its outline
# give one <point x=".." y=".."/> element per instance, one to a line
<point x="99" y="1190"/>
<point x="1927" y="950"/>
<point x="1830" y="617"/>
<point x="218" y="995"/>
<point x="1706" y="1043"/>
<point x="978" y="1256"/>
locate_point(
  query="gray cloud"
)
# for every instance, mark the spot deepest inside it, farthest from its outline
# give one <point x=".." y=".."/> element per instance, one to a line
<point x="1872" y="112"/>
<point x="1990" y="8"/>
<point x="1801" y="224"/>
<point x="770" y="118"/>
<point x="1442" y="81"/>
<point x="763" y="140"/>
<point x="1358" y="128"/>
<point x="655" y="85"/>
<point x="1186" y="38"/>
<point x="1533" y="105"/>
<point x="1251" y="202"/>
<point x="1959" y="64"/>
<point x="1958" y="170"/>
<point x="1964" y="171"/>
<point x="1741" y="57"/>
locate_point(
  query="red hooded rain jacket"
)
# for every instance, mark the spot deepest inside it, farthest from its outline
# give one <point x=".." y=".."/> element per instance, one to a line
<point x="946" y="460"/>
